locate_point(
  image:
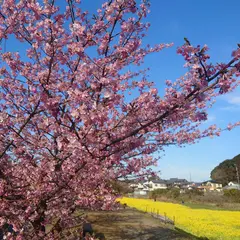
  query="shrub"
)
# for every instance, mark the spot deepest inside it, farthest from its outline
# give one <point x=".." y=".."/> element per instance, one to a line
<point x="194" y="192"/>
<point x="233" y="194"/>
<point x="158" y="192"/>
<point x="173" y="193"/>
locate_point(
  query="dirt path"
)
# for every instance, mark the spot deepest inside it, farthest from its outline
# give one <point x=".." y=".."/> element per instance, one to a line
<point x="133" y="225"/>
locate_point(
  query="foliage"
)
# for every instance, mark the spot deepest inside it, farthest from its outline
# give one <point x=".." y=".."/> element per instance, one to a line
<point x="233" y="194"/>
<point x="173" y="193"/>
<point x="194" y="192"/>
<point x="68" y="128"/>
<point x="158" y="192"/>
<point x="121" y="187"/>
<point x="226" y="170"/>
<point x="169" y="193"/>
<point x="213" y="224"/>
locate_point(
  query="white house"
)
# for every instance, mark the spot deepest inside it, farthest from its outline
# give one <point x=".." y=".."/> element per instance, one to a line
<point x="232" y="185"/>
<point x="235" y="184"/>
<point x="136" y="185"/>
<point x="139" y="188"/>
<point x="155" y="184"/>
<point x="145" y="187"/>
<point x="211" y="186"/>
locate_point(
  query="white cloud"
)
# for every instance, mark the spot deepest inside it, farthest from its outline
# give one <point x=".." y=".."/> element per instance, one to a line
<point x="234" y="100"/>
<point x="230" y="108"/>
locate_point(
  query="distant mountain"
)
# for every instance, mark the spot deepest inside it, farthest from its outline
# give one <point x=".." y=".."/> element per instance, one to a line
<point x="226" y="170"/>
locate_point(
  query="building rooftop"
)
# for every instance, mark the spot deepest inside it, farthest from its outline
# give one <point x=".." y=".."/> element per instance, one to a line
<point x="211" y="181"/>
<point x="159" y="181"/>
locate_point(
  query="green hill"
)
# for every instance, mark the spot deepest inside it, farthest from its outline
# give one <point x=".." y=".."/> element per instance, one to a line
<point x="226" y="171"/>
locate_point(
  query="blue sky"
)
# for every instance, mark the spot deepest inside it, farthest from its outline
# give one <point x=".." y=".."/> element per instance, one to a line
<point x="215" y="23"/>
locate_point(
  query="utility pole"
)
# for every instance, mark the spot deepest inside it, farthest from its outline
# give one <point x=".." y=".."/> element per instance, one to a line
<point x="237" y="173"/>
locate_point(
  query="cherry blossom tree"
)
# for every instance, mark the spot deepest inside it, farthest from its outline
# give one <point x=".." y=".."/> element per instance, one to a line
<point x="67" y="126"/>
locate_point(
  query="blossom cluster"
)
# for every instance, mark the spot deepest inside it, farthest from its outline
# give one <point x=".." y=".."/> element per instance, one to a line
<point x="67" y="127"/>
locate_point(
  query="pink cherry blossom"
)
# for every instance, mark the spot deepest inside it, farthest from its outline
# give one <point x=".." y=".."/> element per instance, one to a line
<point x="68" y="129"/>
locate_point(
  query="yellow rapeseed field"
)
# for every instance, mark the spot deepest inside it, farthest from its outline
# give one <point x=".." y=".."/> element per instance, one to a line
<point x="213" y="224"/>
